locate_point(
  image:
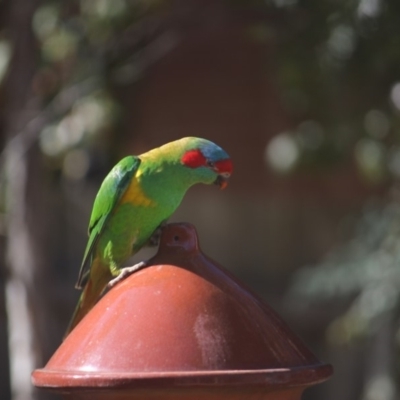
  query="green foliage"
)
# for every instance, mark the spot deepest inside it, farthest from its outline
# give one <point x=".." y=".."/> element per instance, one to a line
<point x="365" y="271"/>
<point x="338" y="68"/>
<point x="86" y="47"/>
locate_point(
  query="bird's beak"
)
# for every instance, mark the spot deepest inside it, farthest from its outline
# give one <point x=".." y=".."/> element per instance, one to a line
<point x="221" y="181"/>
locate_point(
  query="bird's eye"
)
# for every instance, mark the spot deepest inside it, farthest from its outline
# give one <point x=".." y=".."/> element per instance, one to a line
<point x="211" y="164"/>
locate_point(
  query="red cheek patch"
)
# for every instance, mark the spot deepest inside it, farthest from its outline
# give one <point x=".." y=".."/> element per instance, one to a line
<point x="193" y="159"/>
<point x="224" y="166"/>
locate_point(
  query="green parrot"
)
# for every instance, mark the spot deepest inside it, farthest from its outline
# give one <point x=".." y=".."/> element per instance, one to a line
<point x="135" y="199"/>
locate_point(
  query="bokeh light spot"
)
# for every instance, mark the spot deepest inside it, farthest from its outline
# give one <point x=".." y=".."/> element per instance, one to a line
<point x="76" y="164"/>
<point x="376" y="124"/>
<point x="282" y="152"/>
<point x="395" y="95"/>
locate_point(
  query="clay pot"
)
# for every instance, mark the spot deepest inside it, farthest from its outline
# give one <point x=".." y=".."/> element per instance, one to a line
<point x="182" y="328"/>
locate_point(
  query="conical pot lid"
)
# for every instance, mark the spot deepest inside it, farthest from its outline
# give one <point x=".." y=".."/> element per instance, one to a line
<point x="183" y="318"/>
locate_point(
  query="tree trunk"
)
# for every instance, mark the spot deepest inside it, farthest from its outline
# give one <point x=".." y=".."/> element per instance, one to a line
<point x="25" y="286"/>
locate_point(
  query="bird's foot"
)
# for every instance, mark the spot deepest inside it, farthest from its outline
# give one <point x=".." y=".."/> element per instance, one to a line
<point x="125" y="272"/>
<point x="155" y="237"/>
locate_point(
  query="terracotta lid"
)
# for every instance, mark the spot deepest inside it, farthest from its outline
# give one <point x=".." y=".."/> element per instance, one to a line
<point x="182" y="320"/>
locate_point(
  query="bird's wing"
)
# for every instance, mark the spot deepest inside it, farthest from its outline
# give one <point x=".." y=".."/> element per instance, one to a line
<point x="111" y="190"/>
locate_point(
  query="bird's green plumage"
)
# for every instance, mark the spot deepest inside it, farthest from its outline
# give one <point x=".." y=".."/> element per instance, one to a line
<point x="137" y="196"/>
<point x="111" y="190"/>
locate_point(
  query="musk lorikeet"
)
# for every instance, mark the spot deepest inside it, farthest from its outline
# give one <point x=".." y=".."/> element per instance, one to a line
<point x="138" y="195"/>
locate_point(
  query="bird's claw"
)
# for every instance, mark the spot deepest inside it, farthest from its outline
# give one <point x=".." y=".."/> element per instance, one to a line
<point x="155" y="237"/>
<point x="125" y="272"/>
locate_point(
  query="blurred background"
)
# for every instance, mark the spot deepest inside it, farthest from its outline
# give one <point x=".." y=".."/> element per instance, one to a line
<point x="305" y="97"/>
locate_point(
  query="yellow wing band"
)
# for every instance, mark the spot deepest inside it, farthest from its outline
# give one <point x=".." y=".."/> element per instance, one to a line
<point x="134" y="195"/>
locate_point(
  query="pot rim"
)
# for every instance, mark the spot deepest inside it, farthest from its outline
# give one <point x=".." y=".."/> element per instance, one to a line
<point x="279" y="377"/>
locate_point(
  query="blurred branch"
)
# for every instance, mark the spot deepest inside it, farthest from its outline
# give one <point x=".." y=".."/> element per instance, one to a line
<point x="59" y="106"/>
<point x="149" y="40"/>
<point x="136" y="36"/>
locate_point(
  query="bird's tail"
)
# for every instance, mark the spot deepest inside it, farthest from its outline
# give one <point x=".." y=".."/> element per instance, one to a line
<point x="94" y="287"/>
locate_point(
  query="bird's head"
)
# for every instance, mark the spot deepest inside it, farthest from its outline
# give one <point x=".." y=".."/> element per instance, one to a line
<point x="209" y="161"/>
